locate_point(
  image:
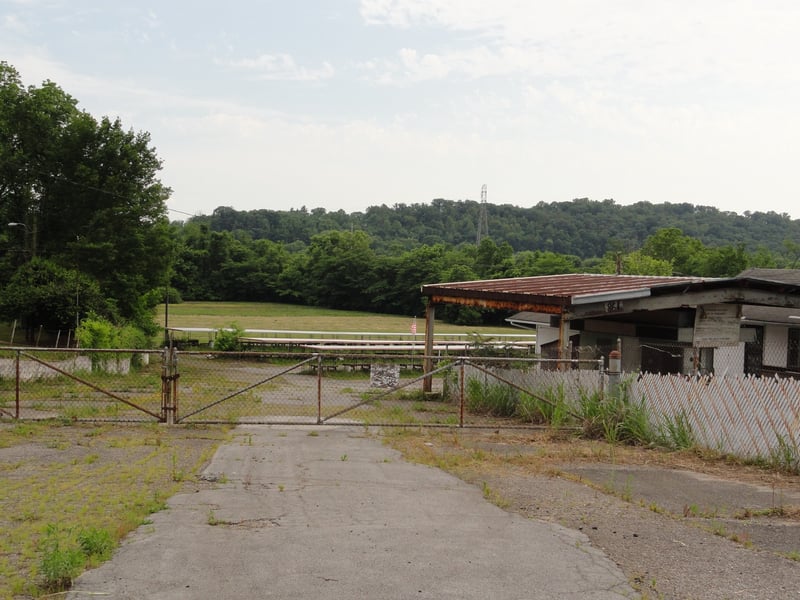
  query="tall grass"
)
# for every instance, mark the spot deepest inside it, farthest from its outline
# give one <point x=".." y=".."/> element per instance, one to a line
<point x="616" y="419"/>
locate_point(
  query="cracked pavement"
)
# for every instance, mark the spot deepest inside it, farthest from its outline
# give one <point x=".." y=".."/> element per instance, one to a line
<point x="283" y="512"/>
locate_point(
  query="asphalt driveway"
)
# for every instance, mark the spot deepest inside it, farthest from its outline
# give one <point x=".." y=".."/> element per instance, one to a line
<point x="285" y="512"/>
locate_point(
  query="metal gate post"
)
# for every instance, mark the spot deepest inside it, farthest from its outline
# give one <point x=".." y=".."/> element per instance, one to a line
<point x="461" y="393"/>
<point x="319" y="389"/>
<point x="169" y="386"/>
<point x="175" y="376"/>
<point x="601" y="366"/>
<point x="166" y="388"/>
<point x="16" y="401"/>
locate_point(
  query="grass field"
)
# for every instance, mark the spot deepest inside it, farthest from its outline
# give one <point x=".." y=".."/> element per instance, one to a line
<point x="292" y="317"/>
<point x="267" y="315"/>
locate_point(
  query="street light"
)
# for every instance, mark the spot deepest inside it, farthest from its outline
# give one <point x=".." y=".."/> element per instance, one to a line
<point x="27" y="231"/>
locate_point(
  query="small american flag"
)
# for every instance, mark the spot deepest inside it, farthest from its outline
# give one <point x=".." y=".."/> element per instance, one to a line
<point x="414" y="326"/>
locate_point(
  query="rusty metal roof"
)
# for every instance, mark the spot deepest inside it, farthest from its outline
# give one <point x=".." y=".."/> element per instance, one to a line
<point x="567" y="287"/>
<point x="554" y="290"/>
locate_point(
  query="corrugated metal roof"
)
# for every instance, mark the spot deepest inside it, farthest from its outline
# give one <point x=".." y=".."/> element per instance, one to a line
<point x="562" y="289"/>
<point x="787" y="276"/>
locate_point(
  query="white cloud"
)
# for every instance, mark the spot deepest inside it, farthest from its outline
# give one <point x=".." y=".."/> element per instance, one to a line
<point x="281" y="67"/>
<point x="655" y="43"/>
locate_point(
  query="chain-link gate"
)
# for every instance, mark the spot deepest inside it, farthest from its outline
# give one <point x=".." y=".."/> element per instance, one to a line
<point x="96" y="385"/>
<point x="273" y="388"/>
<point x="357" y="389"/>
<point x="254" y="388"/>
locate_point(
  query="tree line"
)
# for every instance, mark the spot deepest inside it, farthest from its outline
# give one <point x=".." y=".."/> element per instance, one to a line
<point x="581" y="227"/>
<point x="349" y="269"/>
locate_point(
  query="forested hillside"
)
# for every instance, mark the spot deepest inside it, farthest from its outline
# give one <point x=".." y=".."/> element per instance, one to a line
<point x="585" y="228"/>
<point x="378" y="259"/>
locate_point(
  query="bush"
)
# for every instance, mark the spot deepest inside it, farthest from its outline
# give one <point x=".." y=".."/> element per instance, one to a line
<point x="227" y="340"/>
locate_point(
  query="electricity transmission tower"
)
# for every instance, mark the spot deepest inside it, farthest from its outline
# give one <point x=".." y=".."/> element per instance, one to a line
<point x="483" y="219"/>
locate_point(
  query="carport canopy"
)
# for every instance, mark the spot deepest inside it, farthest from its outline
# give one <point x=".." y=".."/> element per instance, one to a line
<point x="570" y="297"/>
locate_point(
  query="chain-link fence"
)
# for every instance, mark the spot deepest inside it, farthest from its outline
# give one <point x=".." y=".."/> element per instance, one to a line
<point x="112" y="385"/>
<point x="257" y="387"/>
<point x="764" y="351"/>
<point x="745" y="415"/>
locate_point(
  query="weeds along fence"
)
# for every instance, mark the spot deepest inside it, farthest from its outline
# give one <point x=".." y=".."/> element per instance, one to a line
<point x="745" y="416"/>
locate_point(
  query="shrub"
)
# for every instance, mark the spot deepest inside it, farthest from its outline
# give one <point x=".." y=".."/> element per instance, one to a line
<point x="227" y="340"/>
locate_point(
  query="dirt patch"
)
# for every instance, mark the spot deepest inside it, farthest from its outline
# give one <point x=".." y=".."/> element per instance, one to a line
<point x="678" y="525"/>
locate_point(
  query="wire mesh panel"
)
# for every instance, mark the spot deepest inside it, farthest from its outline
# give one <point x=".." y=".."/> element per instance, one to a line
<point x="528" y="391"/>
<point x="97" y="385"/>
<point x="386" y="390"/>
<point x="247" y="388"/>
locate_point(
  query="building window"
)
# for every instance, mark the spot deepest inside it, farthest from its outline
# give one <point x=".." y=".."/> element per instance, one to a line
<point x="793" y="354"/>
<point x="754" y="352"/>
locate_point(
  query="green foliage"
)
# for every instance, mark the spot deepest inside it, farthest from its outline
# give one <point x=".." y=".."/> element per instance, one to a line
<point x="96" y="544"/>
<point x="378" y="260"/>
<point x="97" y="332"/>
<point x="41" y="293"/>
<point x="64" y="554"/>
<point x="227" y="340"/>
<point x="550" y="407"/>
<point x="86" y="193"/>
<point x="616" y="419"/>
<point x="61" y="559"/>
<point x="493" y="399"/>
<point x="677" y="432"/>
<point x="786" y="456"/>
<point x="633" y="263"/>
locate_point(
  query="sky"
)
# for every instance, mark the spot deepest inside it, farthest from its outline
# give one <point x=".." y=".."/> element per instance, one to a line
<point x="346" y="104"/>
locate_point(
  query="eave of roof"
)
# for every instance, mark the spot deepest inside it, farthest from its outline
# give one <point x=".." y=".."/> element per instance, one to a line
<point x="561" y="290"/>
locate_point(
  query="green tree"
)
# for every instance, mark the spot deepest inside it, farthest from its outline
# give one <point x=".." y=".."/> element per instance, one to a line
<point x="42" y="294"/>
<point x="339" y="270"/>
<point x="86" y="192"/>
<point x="684" y="253"/>
<point x="726" y="261"/>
